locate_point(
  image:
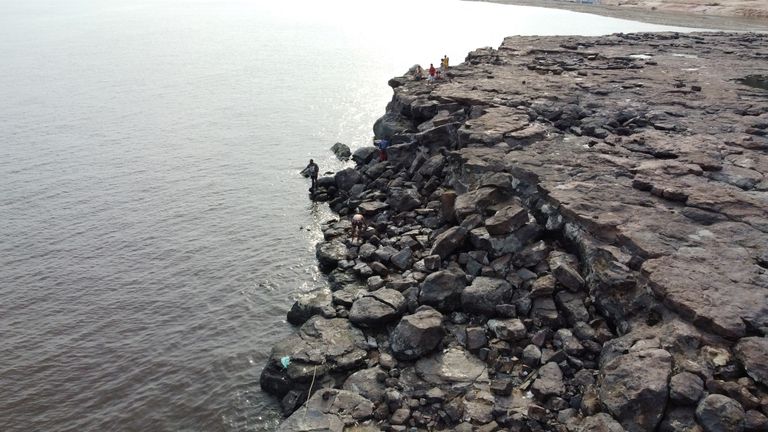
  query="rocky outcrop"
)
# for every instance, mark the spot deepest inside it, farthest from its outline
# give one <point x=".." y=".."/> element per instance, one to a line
<point x="579" y="218"/>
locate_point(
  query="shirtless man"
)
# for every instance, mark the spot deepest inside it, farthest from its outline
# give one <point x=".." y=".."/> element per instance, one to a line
<point x="358" y="226"/>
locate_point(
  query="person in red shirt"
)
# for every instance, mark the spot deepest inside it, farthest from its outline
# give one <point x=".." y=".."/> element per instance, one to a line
<point x="432" y="72"/>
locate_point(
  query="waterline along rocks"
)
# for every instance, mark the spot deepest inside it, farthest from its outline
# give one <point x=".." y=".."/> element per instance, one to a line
<point x="569" y="235"/>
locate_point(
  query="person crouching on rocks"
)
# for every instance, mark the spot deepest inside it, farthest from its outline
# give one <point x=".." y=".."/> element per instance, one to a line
<point x="382" y="144"/>
<point x="358" y="227"/>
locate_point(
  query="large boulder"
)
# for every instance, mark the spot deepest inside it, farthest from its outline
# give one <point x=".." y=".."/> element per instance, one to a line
<point x="404" y="200"/>
<point x="686" y="388"/>
<point x="495" y="245"/>
<point x="329" y="410"/>
<point x="509" y="330"/>
<point x="347" y="178"/>
<point x="549" y="383"/>
<point x="402" y="259"/>
<point x="752" y="352"/>
<point x="506" y="220"/>
<point x="718" y="413"/>
<point x="391" y="124"/>
<point x="442" y="289"/>
<point x="377" y="308"/>
<point x="476" y="201"/>
<point x="329" y="254"/>
<point x="484" y="294"/>
<point x="367" y="383"/>
<point x="417" y="334"/>
<point x="447" y="242"/>
<point x="563" y="268"/>
<point x="341" y="151"/>
<point x="321" y="346"/>
<point x="365" y="154"/>
<point x="637" y="400"/>
<point x="310" y="304"/>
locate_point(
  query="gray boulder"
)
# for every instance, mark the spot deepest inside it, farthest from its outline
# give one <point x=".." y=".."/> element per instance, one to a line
<point x="377" y="308"/>
<point x="531" y="255"/>
<point x="686" y="388"/>
<point x="402" y="259"/>
<point x="367" y="252"/>
<point x="341" y="151"/>
<point x="476" y="201"/>
<point x="718" y="413"/>
<point x="506" y="220"/>
<point x="447" y="242"/>
<point x="563" y="268"/>
<point x="636" y="400"/>
<point x="404" y="200"/>
<point x="752" y="352"/>
<point x="329" y="254"/>
<point x="484" y="294"/>
<point x="347" y="178"/>
<point x="320" y="346"/>
<point x="363" y="155"/>
<point x="442" y="289"/>
<point x="391" y="124"/>
<point x="549" y="383"/>
<point x="329" y="410"/>
<point x="572" y="306"/>
<point x="310" y="304"/>
<point x="367" y="383"/>
<point x="417" y="334"/>
<point x="508" y="330"/>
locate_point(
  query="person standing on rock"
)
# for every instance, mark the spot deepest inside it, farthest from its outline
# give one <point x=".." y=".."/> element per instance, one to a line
<point x="444" y="64"/>
<point x="432" y="73"/>
<point x="312" y="169"/>
<point x="358" y="226"/>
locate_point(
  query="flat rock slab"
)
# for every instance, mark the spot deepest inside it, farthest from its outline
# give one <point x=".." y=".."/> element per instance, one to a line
<point x="644" y="141"/>
<point x="454" y="366"/>
<point x="329" y="410"/>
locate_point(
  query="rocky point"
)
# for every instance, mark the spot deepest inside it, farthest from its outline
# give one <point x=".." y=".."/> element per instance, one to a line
<point x="570" y="234"/>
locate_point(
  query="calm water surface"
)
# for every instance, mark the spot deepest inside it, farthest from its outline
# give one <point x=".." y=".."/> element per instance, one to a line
<point x="153" y="228"/>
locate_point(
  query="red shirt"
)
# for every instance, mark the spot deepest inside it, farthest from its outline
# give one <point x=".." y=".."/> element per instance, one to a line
<point x="432" y="71"/>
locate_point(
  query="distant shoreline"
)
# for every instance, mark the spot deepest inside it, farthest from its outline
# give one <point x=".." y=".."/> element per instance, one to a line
<point x="692" y="19"/>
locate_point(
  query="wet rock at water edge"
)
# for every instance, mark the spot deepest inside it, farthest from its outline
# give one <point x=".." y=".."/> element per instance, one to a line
<point x="310" y="304"/>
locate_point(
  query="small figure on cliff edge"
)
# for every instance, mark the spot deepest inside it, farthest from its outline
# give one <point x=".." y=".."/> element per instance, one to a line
<point x="312" y="169"/>
<point x="358" y="227"/>
<point x="432" y="73"/>
<point x="444" y="64"/>
<point x="382" y="145"/>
